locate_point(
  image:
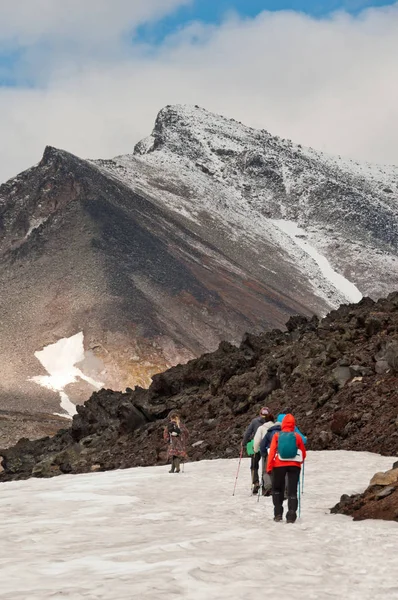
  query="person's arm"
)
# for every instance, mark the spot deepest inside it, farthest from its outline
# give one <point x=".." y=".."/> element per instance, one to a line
<point x="301" y="446"/>
<point x="257" y="440"/>
<point x="272" y="453"/>
<point x="303" y="437"/>
<point x="248" y="434"/>
<point x="166" y="435"/>
<point x="264" y="444"/>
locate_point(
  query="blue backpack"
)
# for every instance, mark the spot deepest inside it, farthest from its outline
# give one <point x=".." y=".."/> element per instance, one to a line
<point x="287" y="445"/>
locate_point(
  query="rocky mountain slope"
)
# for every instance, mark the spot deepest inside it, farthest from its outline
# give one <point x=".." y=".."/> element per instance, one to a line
<point x="339" y="376"/>
<point x="124" y="267"/>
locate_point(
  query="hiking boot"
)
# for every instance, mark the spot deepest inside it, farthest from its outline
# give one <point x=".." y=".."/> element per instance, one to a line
<point x="266" y="492"/>
<point x="256" y="487"/>
<point x="278" y="518"/>
<point x="291" y="517"/>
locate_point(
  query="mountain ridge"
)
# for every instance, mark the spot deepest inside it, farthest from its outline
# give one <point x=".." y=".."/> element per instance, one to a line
<point x="210" y="229"/>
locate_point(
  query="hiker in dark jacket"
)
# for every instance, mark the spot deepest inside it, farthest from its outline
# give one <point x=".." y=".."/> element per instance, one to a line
<point x="176" y="436"/>
<point x="255" y="457"/>
<point x="267" y="439"/>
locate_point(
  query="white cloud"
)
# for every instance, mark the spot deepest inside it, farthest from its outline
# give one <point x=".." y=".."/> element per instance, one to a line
<point x="330" y="83"/>
<point x="26" y="22"/>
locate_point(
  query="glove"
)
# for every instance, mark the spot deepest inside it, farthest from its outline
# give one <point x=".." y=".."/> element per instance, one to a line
<point x="174" y="434"/>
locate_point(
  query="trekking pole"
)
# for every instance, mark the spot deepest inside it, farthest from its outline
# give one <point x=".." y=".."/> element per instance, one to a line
<point x="299" y="498"/>
<point x="237" y="473"/>
<point x="302" y="480"/>
<point x="183" y="466"/>
<point x="260" y="489"/>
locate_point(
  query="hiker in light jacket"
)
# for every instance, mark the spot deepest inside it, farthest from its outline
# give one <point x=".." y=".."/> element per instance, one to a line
<point x="261" y="432"/>
<point x="281" y="467"/>
<point x="176" y="436"/>
<point x="256" y="457"/>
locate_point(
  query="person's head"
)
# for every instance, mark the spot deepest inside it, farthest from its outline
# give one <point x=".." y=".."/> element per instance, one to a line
<point x="265" y="413"/>
<point x="174" y="417"/>
<point x="288" y="423"/>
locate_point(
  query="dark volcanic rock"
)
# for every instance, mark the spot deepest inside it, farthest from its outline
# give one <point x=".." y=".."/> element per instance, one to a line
<point x="219" y="392"/>
<point x="378" y="501"/>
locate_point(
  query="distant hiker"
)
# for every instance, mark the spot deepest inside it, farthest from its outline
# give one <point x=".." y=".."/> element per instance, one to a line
<point x="285" y="457"/>
<point x="248" y="441"/>
<point x="261" y="432"/>
<point x="176" y="435"/>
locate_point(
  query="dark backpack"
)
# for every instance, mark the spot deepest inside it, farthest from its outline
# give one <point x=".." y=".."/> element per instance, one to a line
<point x="173" y="428"/>
<point x="287" y="445"/>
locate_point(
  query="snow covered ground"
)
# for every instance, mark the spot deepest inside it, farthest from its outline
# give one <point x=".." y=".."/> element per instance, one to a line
<point x="146" y="534"/>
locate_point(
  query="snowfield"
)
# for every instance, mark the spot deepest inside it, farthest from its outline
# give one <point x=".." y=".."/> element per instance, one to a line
<point x="60" y="360"/>
<point x="147" y="534"/>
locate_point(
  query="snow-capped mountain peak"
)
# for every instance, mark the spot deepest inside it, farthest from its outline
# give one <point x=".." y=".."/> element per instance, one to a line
<point x="209" y="229"/>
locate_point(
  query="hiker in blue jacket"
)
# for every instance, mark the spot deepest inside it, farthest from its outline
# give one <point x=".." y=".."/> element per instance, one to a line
<point x="280" y="418"/>
<point x="267" y="439"/>
<point x="255" y="457"/>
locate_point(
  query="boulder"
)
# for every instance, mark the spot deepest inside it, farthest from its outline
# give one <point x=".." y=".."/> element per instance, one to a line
<point x="386" y="491"/>
<point x="391" y="355"/>
<point x="388" y="478"/>
<point x="382" y="366"/>
<point x="45" y="468"/>
<point x="342" y="375"/>
<point x="324" y="439"/>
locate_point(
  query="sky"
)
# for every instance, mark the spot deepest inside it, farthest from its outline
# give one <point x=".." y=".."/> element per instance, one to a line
<point x="90" y="77"/>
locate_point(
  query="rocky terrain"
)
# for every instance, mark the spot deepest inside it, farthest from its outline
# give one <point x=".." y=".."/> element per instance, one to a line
<point x="15" y="425"/>
<point x="378" y="501"/>
<point x="209" y="230"/>
<point x="338" y="375"/>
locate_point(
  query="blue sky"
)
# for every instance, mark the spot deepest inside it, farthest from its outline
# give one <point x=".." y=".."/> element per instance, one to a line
<point x="214" y="11"/>
<point x="72" y="74"/>
<point x="14" y="71"/>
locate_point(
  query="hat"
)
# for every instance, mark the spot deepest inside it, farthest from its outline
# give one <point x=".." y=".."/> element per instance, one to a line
<point x="265" y="411"/>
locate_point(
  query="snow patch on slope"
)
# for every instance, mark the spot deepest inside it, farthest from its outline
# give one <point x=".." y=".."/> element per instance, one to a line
<point x="35" y="224"/>
<point x="347" y="289"/>
<point x="60" y="361"/>
<point x="108" y="535"/>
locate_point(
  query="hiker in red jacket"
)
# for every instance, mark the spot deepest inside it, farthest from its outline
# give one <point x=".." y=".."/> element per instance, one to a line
<point x="286" y="455"/>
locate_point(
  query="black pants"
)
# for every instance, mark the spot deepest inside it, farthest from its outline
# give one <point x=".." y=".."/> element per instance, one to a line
<point x="292" y="474"/>
<point x="254" y="466"/>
